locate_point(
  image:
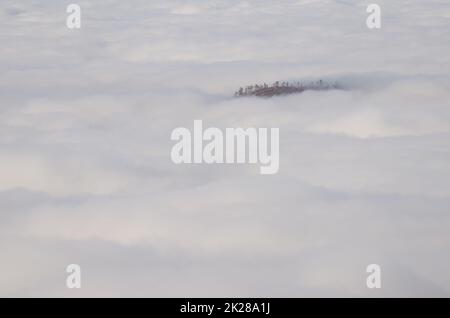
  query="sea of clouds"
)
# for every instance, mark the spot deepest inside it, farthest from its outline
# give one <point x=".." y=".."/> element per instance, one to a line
<point x="85" y="169"/>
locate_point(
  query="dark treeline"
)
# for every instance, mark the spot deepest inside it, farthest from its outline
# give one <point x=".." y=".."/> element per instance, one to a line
<point x="283" y="88"/>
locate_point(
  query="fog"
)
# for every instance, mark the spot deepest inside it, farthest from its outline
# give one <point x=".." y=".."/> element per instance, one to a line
<point x="86" y="175"/>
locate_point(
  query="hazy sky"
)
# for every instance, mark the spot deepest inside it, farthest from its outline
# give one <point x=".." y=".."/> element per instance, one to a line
<point x="85" y="169"/>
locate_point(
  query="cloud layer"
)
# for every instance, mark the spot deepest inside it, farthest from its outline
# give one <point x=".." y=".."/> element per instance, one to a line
<point x="85" y="170"/>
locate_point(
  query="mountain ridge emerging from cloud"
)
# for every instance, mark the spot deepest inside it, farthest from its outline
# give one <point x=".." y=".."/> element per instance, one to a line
<point x="284" y="88"/>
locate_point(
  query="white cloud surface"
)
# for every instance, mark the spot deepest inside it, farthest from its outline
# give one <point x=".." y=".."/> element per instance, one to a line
<point x="85" y="169"/>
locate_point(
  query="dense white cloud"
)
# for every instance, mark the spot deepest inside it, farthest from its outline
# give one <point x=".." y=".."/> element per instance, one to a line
<point x="85" y="169"/>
